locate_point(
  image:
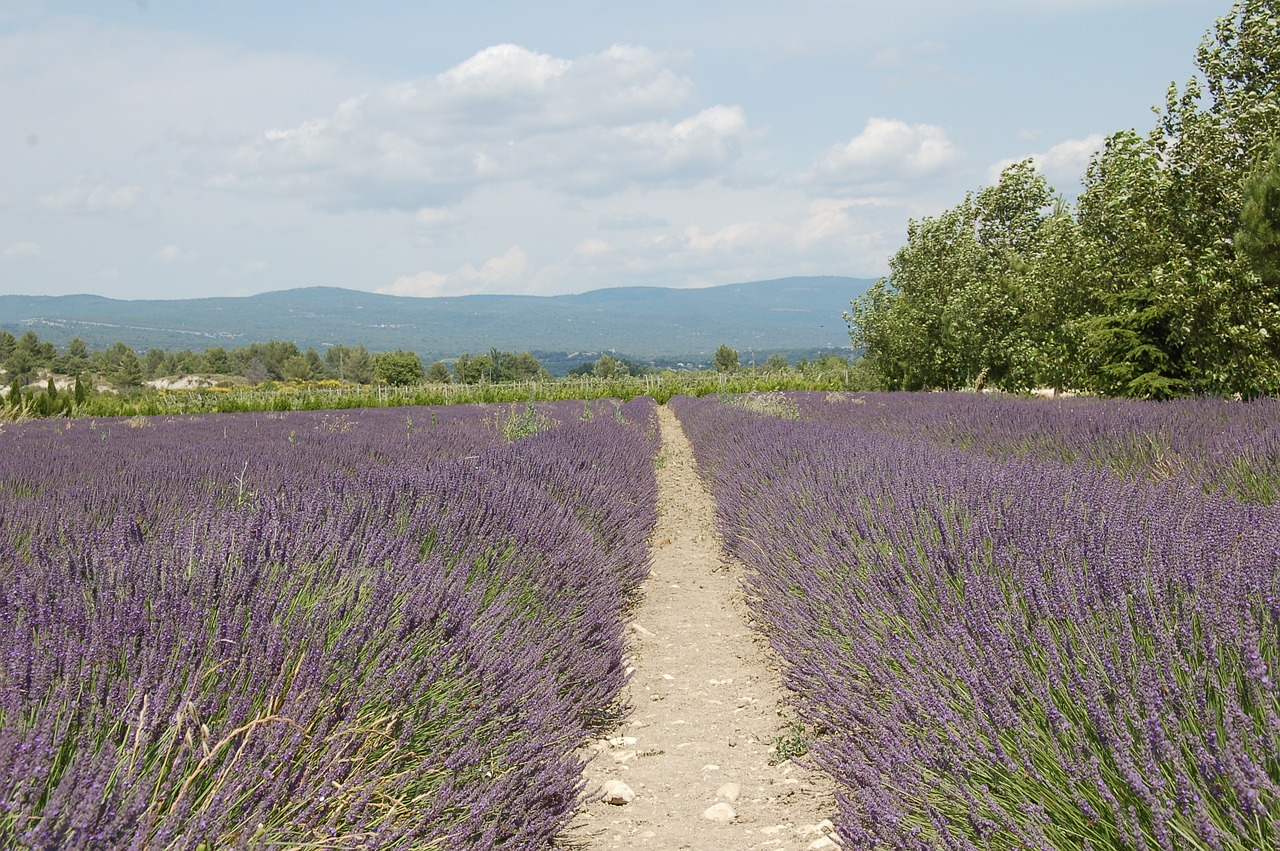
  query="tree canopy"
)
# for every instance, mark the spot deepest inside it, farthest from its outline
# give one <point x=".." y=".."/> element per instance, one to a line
<point x="1163" y="279"/>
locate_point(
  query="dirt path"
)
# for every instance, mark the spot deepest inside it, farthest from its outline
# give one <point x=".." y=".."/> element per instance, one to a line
<point x="708" y="707"/>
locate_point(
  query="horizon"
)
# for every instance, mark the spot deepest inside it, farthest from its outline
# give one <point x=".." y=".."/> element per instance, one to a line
<point x="167" y="151"/>
<point x="461" y="295"/>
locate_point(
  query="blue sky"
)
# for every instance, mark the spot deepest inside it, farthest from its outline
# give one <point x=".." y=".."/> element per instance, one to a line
<point x="167" y="149"/>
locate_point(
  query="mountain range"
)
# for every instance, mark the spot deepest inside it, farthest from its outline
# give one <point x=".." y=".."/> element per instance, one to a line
<point x="646" y="323"/>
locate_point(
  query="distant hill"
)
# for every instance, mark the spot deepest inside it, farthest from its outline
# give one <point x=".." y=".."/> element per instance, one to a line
<point x="651" y="323"/>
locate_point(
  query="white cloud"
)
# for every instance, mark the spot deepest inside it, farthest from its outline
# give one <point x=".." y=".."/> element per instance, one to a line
<point x="21" y="251"/>
<point x="587" y="126"/>
<point x="592" y="248"/>
<point x="89" y="196"/>
<point x="503" y="273"/>
<point x="1064" y="163"/>
<point x="172" y="254"/>
<point x="887" y="150"/>
<point x="435" y="217"/>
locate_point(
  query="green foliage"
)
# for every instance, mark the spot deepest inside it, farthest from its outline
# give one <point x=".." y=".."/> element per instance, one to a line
<point x="398" y="368"/>
<point x="1258" y="238"/>
<point x="725" y="359"/>
<point x="606" y="367"/>
<point x="120" y="366"/>
<point x="1164" y="281"/>
<point x="497" y="367"/>
<point x="976" y="295"/>
<point x="438" y="373"/>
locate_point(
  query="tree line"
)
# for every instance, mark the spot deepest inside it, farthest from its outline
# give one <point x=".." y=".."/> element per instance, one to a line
<point x="1162" y="279"/>
<point x="26" y="357"/>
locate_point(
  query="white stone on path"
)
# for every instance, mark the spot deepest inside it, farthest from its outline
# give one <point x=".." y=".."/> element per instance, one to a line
<point x="721" y="812"/>
<point x="729" y="791"/>
<point x="617" y="793"/>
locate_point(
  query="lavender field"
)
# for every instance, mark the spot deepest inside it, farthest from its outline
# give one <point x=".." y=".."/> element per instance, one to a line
<point x="379" y="628"/>
<point x="1017" y="624"/>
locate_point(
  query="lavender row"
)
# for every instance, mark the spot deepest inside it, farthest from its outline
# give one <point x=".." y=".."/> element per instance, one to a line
<point x="1222" y="446"/>
<point x="371" y="629"/>
<point x="1008" y="654"/>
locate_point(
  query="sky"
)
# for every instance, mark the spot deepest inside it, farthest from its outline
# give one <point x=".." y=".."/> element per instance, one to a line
<point x="164" y="149"/>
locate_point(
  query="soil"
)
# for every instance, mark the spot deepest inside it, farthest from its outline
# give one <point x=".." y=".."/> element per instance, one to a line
<point x="708" y="710"/>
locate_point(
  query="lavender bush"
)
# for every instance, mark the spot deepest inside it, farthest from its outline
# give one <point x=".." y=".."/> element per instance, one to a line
<point x="1223" y="446"/>
<point x="363" y="629"/>
<point x="999" y="649"/>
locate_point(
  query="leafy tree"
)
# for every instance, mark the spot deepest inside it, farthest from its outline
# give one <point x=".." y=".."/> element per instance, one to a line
<point x="497" y="366"/>
<point x="315" y="364"/>
<point x="14" y="399"/>
<point x="1123" y="217"/>
<point x="7" y="344"/>
<point x="121" y="366"/>
<point x="296" y="368"/>
<point x="606" y="367"/>
<point x="958" y="306"/>
<point x="725" y="359"/>
<point x="350" y="363"/>
<point x="217" y="361"/>
<point x="777" y="362"/>
<point x="21" y="365"/>
<point x="75" y="359"/>
<point x="473" y="369"/>
<point x="42" y="353"/>
<point x="438" y="373"/>
<point x="398" y="367"/>
<point x="183" y="362"/>
<point x="153" y="363"/>
<point x="1209" y="135"/>
<point x="1258" y="238"/>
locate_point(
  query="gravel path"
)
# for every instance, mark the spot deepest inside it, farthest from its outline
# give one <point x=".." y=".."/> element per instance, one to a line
<point x="699" y="750"/>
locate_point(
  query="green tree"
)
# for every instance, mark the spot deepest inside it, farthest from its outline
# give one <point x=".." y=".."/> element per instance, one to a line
<point x="1123" y="217"/>
<point x="43" y="354"/>
<point x="21" y="365"/>
<point x="473" y="369"/>
<point x="153" y="363"/>
<point x="350" y="363"/>
<point x="296" y="368"/>
<point x="121" y="366"/>
<point x="725" y="359"/>
<point x="1258" y="238"/>
<point x="1209" y="135"/>
<point x="316" y="364"/>
<point x="606" y="367"/>
<point x="957" y="307"/>
<point x="777" y="362"/>
<point x="217" y="361"/>
<point x="398" y="368"/>
<point x="438" y="373"/>
<point x="75" y="359"/>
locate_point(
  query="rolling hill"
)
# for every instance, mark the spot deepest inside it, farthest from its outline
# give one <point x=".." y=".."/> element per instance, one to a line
<point x="651" y="323"/>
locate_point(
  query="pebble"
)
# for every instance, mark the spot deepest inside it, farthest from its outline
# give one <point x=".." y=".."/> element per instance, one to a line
<point x="824" y="827"/>
<point x="729" y="791"/>
<point x="617" y="793"/>
<point x="822" y="844"/>
<point x="720" y="812"/>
